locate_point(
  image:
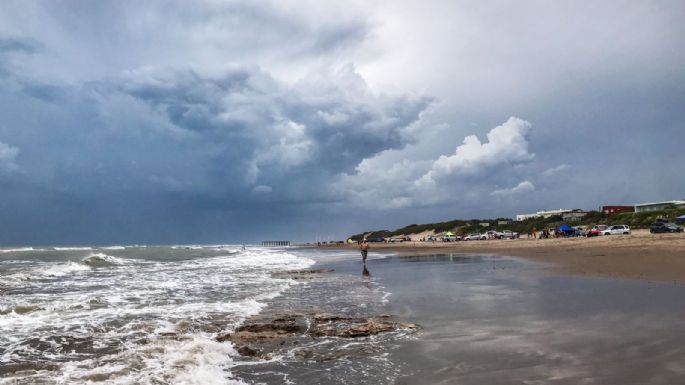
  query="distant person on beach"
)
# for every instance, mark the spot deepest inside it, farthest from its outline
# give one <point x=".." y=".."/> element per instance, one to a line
<point x="364" y="247"/>
<point x="535" y="233"/>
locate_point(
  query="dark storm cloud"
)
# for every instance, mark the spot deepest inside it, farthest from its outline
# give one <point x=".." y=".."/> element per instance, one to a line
<point x="11" y="47"/>
<point x="201" y="144"/>
<point x="340" y="119"/>
<point x="15" y="44"/>
<point x="173" y="121"/>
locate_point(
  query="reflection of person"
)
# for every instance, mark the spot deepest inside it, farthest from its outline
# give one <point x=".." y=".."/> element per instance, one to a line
<point x="365" y="272"/>
<point x="364" y="247"/>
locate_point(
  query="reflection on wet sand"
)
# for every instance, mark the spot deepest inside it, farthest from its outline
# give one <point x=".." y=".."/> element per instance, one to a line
<point x="485" y="324"/>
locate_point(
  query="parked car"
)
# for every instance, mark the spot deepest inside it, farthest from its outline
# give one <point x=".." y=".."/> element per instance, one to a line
<point x="492" y="235"/>
<point x="376" y="239"/>
<point x="474" y="237"/>
<point x="452" y="238"/>
<point x="661" y="227"/>
<point x="508" y="234"/>
<point x="596" y="230"/>
<point x="617" y="229"/>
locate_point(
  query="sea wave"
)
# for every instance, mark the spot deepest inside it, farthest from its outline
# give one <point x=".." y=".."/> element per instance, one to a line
<point x="72" y="248"/>
<point x="101" y="260"/>
<point x="62" y="269"/>
<point x="19" y="309"/>
<point x="20" y="249"/>
<point x="113" y="248"/>
<point x="44" y="271"/>
<point x="165" y="313"/>
<point x="187" y="247"/>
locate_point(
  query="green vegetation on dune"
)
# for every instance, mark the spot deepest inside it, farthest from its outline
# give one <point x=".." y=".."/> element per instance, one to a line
<point x="463" y="227"/>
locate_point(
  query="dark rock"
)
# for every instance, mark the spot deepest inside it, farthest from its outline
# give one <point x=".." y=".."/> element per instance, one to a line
<point x="301" y="274"/>
<point x="223" y="338"/>
<point x="260" y="334"/>
<point x="248" y="351"/>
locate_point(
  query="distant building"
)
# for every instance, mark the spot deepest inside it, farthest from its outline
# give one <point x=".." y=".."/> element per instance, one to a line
<point x="484" y="224"/>
<point x="656" y="206"/>
<point x="544" y="214"/>
<point x="501" y="223"/>
<point x="609" y="210"/>
<point x="573" y="215"/>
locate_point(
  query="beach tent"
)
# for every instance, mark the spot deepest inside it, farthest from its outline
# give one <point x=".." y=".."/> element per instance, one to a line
<point x="448" y="234"/>
<point x="680" y="218"/>
<point x="567" y="229"/>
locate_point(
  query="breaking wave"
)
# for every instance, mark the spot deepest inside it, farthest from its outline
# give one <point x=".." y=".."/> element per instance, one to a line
<point x="95" y="319"/>
<point x="19" y="249"/>
<point x="101" y="260"/>
<point x="113" y="248"/>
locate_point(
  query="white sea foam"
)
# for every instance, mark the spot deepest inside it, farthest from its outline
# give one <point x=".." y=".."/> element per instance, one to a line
<point x="102" y="260"/>
<point x="20" y="277"/>
<point x="17" y="250"/>
<point x="72" y="248"/>
<point x="113" y="248"/>
<point x="188" y="247"/>
<point x="113" y="304"/>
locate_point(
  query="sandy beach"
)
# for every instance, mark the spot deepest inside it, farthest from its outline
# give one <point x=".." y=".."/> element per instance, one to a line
<point x="486" y="319"/>
<point x="640" y="255"/>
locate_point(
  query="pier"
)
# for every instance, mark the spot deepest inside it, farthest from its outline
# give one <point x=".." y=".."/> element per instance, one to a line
<point x="275" y="243"/>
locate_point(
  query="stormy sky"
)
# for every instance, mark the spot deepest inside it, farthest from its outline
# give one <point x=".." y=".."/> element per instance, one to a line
<point x="239" y="121"/>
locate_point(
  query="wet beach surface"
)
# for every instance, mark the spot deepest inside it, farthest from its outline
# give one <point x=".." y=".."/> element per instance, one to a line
<point x="495" y="320"/>
<point x="487" y="320"/>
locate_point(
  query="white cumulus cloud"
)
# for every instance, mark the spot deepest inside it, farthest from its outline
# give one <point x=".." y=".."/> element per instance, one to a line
<point x="507" y="145"/>
<point x="523" y="187"/>
<point x="556" y="170"/>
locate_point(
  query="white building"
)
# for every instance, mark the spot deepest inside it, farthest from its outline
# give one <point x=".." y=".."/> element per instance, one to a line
<point x="574" y="215"/>
<point x="544" y="214"/>
<point x="642" y="207"/>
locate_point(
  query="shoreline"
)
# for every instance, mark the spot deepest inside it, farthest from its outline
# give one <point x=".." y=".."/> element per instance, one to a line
<point x="640" y="255"/>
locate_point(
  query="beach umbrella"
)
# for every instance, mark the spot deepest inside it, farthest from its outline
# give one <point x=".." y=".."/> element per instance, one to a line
<point x="449" y="234"/>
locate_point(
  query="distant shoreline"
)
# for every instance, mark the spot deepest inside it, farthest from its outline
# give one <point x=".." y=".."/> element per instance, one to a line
<point x="641" y="255"/>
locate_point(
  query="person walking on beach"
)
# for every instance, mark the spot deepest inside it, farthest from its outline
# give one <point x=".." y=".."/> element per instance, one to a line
<point x="364" y="247"/>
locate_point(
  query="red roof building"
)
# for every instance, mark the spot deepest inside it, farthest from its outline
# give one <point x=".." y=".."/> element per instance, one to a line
<point x="617" y="209"/>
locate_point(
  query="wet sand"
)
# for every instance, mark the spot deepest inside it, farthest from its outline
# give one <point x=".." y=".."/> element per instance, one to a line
<point x="482" y="319"/>
<point x="488" y="320"/>
<point x="641" y="255"/>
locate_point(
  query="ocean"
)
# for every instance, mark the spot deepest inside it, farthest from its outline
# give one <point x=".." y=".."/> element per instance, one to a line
<point x="151" y="315"/>
<point x="159" y="315"/>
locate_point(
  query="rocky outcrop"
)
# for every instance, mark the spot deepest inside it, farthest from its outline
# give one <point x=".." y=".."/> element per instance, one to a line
<point x="301" y="274"/>
<point x="261" y="337"/>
